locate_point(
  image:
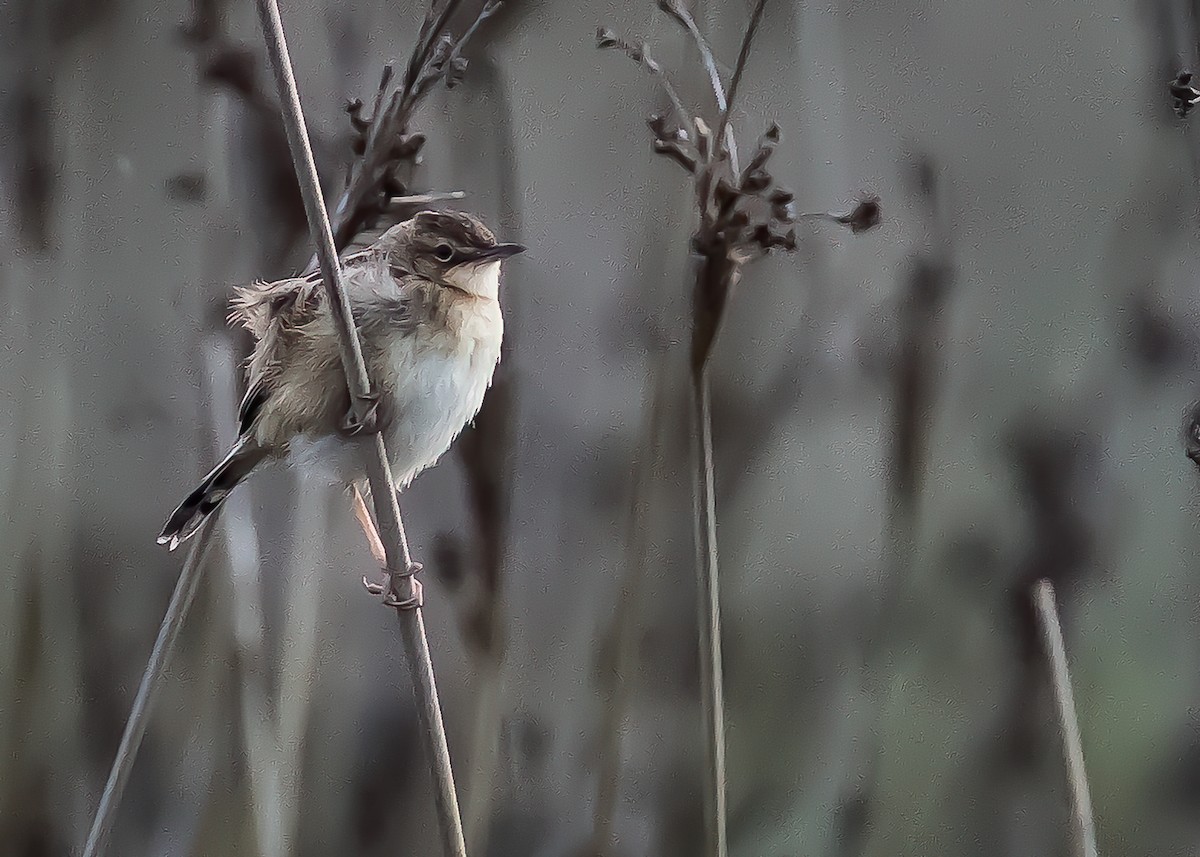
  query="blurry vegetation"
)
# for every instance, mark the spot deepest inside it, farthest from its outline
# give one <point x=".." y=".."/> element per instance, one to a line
<point x="909" y="428"/>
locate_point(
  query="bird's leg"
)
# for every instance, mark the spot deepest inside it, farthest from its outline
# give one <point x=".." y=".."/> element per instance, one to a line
<point x="370" y="423"/>
<point x="363" y="516"/>
<point x="377" y="550"/>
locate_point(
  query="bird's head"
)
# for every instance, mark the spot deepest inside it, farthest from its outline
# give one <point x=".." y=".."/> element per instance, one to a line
<point x="452" y="249"/>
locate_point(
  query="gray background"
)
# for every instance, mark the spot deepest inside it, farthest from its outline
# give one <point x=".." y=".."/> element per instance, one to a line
<point x="136" y="194"/>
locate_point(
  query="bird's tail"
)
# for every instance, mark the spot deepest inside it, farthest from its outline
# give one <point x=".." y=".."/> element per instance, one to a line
<point x="195" y="509"/>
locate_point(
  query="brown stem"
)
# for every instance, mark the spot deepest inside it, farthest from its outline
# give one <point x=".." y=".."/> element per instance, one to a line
<point x="743" y="55"/>
<point x="712" y="685"/>
<point x="401" y="586"/>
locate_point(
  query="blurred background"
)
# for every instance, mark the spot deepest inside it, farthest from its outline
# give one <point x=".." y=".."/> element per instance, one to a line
<point x="911" y="426"/>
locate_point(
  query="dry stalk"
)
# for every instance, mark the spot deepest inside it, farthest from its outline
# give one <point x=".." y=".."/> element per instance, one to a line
<point x="1084" y="825"/>
<point x="147" y="692"/>
<point x="401" y="586"/>
<point x="742" y="214"/>
<point x="374" y="190"/>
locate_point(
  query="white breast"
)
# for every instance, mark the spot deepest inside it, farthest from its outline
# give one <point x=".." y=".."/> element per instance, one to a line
<point x="438" y="384"/>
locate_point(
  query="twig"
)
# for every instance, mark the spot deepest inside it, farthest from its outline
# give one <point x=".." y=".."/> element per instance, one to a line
<point x="677" y="11"/>
<point x="640" y="54"/>
<point x="742" y="214"/>
<point x="426" y="198"/>
<point x="401" y="586"/>
<point x="147" y="692"/>
<point x="743" y="55"/>
<point x="386" y="146"/>
<point x="1068" y="720"/>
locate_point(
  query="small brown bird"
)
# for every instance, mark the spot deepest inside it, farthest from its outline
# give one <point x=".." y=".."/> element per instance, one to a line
<point x="425" y="299"/>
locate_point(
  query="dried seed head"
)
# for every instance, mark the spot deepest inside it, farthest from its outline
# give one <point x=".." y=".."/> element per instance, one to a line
<point x="1184" y="96"/>
<point x="606" y="38"/>
<point x="456" y="72"/>
<point x="866" y="215"/>
<point x="1191" y="433"/>
<point x="676" y="151"/>
<point x="755" y="181"/>
<point x="410" y="145"/>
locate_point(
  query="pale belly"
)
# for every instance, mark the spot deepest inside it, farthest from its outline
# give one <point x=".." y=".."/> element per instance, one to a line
<point x="433" y="402"/>
<point x="432" y="396"/>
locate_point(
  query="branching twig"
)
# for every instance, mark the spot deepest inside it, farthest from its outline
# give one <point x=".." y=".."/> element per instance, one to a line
<point x="742" y="214"/>
<point x="1068" y="721"/>
<point x="388" y="151"/>
<point x="640" y="54"/>
<point x="147" y="692"/>
<point x="401" y="586"/>
<point x="740" y="66"/>
<point x="677" y="11"/>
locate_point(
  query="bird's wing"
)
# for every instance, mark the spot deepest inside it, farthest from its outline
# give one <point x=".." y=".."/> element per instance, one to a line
<point x="256" y="396"/>
<point x="274" y="313"/>
<point x="286" y="304"/>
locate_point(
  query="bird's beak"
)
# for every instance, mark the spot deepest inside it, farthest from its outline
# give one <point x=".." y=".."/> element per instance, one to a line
<point x="499" y="251"/>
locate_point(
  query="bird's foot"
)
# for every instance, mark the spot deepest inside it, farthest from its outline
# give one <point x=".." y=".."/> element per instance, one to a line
<point x="353" y="426"/>
<point x="390" y="599"/>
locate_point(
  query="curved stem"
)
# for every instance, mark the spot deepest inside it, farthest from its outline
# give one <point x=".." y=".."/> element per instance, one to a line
<point x="743" y="55"/>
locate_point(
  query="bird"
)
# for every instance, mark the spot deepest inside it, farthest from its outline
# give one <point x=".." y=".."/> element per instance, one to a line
<point x="425" y="299"/>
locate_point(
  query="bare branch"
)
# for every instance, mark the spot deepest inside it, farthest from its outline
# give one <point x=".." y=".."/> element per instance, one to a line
<point x="387" y="150"/>
<point x="606" y="39"/>
<point x="865" y="216"/>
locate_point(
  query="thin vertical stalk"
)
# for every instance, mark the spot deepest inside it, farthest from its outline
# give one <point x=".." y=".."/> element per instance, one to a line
<point x="712" y="682"/>
<point x="620" y="640"/>
<point x="1068" y="721"/>
<point x="401" y="586"/>
<point x="147" y="692"/>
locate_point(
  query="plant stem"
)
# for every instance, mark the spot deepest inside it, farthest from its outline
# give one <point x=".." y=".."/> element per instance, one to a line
<point x="1068" y="721"/>
<point x="401" y="585"/>
<point x="147" y="692"/>
<point x="743" y="55"/>
<point x="685" y="19"/>
<point x="619" y="668"/>
<point x="712" y="684"/>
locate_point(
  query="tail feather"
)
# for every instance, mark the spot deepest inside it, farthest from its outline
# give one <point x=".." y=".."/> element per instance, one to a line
<point x="212" y="491"/>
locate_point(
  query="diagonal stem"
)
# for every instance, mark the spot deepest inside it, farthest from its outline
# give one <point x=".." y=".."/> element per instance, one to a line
<point x="387" y="509"/>
<point x="147" y="692"/>
<point x="743" y="55"/>
<point x="1068" y="721"/>
<point x="684" y="17"/>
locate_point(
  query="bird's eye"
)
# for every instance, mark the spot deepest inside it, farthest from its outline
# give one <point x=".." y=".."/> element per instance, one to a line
<point x="443" y="252"/>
